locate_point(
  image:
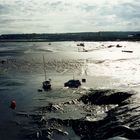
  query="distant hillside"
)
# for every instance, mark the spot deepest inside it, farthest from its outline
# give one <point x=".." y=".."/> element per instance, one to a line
<point x="85" y="36"/>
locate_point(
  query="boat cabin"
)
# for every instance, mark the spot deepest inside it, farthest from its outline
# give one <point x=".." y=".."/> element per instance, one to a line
<point x="72" y="84"/>
<point x="46" y="85"/>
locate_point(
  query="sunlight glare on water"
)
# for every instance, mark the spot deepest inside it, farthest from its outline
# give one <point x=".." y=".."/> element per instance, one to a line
<point x="115" y="63"/>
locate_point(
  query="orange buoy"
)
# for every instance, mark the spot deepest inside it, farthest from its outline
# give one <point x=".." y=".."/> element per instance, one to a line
<point x="13" y="104"/>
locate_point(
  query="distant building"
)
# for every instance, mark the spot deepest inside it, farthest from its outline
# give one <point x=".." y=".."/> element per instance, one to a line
<point x="130" y="35"/>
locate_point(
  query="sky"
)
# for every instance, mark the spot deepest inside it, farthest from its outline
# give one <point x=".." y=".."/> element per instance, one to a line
<point x="62" y="16"/>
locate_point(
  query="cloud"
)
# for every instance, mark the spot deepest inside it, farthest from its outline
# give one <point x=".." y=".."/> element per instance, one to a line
<point x="128" y="10"/>
<point x="4" y="9"/>
<point x="68" y="16"/>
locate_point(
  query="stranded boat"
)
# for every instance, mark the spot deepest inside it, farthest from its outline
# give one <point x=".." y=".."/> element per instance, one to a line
<point x="72" y="84"/>
<point x="46" y="85"/>
<point x="81" y="44"/>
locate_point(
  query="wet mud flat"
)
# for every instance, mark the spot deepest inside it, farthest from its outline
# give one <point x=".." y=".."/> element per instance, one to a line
<point x="101" y="108"/>
<point x="106" y="113"/>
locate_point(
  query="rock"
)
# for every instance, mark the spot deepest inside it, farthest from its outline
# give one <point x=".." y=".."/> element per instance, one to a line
<point x="105" y="97"/>
<point x="39" y="90"/>
<point x="118" y="46"/>
<point x="110" y="46"/>
<point x="74" y="101"/>
<point x="3" y="61"/>
<point x="53" y="107"/>
<point x="59" y="131"/>
<point x="56" y="107"/>
<point x="71" y="102"/>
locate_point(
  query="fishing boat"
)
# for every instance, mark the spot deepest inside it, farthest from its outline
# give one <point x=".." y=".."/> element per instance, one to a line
<point x="46" y="85"/>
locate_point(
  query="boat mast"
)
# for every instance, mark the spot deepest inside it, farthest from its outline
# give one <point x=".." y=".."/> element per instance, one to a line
<point x="44" y="67"/>
<point x="73" y="76"/>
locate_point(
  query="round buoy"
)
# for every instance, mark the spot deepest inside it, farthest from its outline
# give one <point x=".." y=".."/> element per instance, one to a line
<point x="13" y="104"/>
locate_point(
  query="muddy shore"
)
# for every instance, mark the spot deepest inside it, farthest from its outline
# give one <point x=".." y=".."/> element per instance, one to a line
<point x="107" y="105"/>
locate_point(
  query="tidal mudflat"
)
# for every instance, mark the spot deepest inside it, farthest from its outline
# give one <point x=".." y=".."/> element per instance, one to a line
<point x="105" y="106"/>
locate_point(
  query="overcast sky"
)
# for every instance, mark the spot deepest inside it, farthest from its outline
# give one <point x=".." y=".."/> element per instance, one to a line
<point x="55" y="16"/>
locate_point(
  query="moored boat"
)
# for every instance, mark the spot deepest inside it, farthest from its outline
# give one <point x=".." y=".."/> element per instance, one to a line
<point x="46" y="85"/>
<point x="72" y="83"/>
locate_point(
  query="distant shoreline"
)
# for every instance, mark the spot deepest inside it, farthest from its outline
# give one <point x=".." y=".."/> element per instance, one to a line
<point x="130" y="40"/>
<point x="85" y="36"/>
